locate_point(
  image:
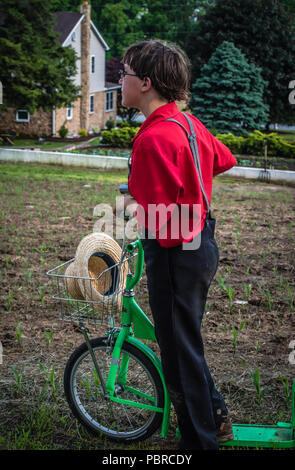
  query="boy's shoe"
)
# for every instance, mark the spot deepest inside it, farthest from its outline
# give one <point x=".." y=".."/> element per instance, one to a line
<point x="225" y="432"/>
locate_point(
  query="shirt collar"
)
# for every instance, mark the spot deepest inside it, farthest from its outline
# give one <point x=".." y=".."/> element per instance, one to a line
<point x="160" y="114"/>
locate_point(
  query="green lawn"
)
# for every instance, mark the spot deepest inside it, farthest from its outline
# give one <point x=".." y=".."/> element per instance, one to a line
<point x="44" y="145"/>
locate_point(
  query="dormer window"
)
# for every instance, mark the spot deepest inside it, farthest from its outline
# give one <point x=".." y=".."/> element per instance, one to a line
<point x="92" y="64"/>
<point x="74" y="36"/>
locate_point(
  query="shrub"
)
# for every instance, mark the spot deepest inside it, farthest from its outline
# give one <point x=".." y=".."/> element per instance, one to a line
<point x="254" y="144"/>
<point x="95" y="130"/>
<point x="82" y="133"/>
<point x="119" y="137"/>
<point x="63" y="131"/>
<point x="110" y="124"/>
<point x="234" y="143"/>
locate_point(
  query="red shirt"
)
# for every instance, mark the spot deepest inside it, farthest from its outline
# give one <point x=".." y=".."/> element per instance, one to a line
<point x="163" y="169"/>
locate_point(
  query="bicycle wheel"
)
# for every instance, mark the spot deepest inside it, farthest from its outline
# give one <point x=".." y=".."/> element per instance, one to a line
<point x="100" y="415"/>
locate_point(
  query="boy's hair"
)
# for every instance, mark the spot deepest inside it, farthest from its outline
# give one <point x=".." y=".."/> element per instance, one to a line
<point x="165" y="64"/>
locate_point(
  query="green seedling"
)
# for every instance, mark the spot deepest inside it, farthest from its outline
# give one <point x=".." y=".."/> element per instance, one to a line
<point x="267" y="294"/>
<point x="291" y="295"/>
<point x="19" y="332"/>
<point x="230" y="293"/>
<point x="48" y="337"/>
<point x="18" y="376"/>
<point x="248" y="289"/>
<point x="42" y="295"/>
<point x="285" y="383"/>
<point x="9" y="299"/>
<point x="257" y="384"/>
<point x="236" y="333"/>
<point x="50" y="380"/>
<point x="221" y="282"/>
<point x="28" y="277"/>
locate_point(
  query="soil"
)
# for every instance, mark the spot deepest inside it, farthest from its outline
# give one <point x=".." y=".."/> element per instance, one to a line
<point x="256" y="236"/>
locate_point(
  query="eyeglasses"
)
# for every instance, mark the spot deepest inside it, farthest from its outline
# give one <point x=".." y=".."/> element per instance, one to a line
<point x="122" y="74"/>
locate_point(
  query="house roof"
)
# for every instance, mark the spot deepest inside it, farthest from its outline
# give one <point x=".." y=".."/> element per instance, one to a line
<point x="65" y="21"/>
<point x="112" y="86"/>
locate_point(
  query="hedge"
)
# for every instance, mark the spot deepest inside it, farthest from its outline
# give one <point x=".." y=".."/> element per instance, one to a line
<point x="119" y="137"/>
<point x="254" y="144"/>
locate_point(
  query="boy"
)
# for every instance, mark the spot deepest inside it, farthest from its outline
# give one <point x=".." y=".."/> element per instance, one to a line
<point x="179" y="271"/>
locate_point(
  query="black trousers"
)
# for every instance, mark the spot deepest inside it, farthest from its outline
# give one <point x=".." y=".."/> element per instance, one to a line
<point x="178" y="284"/>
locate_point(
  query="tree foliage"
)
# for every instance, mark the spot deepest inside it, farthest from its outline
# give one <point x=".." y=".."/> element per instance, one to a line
<point x="35" y="70"/>
<point x="264" y="32"/>
<point x="228" y="96"/>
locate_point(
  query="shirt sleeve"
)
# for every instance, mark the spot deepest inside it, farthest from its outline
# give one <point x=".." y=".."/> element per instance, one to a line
<point x="155" y="178"/>
<point x="223" y="158"/>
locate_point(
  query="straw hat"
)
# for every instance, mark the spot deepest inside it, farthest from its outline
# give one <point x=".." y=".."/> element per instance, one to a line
<point x="71" y="283"/>
<point x="96" y="258"/>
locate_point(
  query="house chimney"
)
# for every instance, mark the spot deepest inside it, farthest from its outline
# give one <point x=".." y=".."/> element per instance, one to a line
<point x="85" y="9"/>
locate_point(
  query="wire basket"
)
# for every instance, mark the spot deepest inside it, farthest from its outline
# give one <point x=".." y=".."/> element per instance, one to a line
<point x="94" y="299"/>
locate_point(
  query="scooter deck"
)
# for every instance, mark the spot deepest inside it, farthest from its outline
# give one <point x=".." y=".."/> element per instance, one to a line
<point x="248" y="435"/>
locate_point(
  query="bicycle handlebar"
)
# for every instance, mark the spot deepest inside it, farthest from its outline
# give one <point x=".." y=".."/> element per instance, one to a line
<point x="131" y="247"/>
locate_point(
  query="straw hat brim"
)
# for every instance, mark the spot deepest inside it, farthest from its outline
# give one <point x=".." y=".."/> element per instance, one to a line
<point x="90" y="262"/>
<point x="71" y="283"/>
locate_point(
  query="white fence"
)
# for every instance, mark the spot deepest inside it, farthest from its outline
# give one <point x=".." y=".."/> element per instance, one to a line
<point x="98" y="161"/>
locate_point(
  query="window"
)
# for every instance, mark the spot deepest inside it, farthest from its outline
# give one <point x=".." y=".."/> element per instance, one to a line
<point x="91" y="104"/>
<point x="74" y="36"/>
<point x="70" y="112"/>
<point x="92" y="64"/>
<point x="22" y="115"/>
<point x="109" y="101"/>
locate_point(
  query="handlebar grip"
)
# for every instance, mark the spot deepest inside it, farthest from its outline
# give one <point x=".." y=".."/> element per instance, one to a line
<point x="124" y="189"/>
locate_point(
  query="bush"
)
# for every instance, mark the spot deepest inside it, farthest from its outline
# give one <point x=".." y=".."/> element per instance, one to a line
<point x="95" y="130"/>
<point x="254" y="144"/>
<point x="234" y="143"/>
<point x="119" y="137"/>
<point x="110" y="124"/>
<point x="127" y="124"/>
<point x="63" y="131"/>
<point x="82" y="133"/>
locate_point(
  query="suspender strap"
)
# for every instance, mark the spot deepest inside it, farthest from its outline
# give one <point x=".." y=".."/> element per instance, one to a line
<point x="194" y="148"/>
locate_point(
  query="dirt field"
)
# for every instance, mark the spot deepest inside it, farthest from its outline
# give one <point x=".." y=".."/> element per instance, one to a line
<point x="46" y="210"/>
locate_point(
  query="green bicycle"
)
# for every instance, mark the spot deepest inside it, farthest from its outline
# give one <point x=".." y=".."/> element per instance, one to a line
<point x="114" y="383"/>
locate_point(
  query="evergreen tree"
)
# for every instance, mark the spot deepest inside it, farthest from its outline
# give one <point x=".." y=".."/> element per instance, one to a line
<point x="229" y="92"/>
<point x="264" y="32"/>
<point x="35" y="70"/>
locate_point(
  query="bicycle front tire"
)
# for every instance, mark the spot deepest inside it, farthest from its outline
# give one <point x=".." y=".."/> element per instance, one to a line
<point x="99" y="414"/>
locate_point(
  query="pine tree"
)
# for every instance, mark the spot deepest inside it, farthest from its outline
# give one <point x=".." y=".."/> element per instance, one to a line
<point x="35" y="70"/>
<point x="228" y="96"/>
<point x="264" y="31"/>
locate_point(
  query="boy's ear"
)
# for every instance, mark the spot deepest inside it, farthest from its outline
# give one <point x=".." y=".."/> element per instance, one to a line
<point x="147" y="83"/>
